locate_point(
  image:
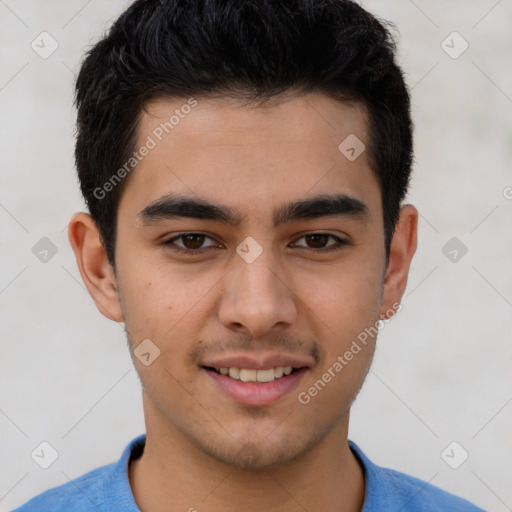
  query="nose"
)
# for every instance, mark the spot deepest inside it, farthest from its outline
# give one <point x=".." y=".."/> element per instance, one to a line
<point x="258" y="296"/>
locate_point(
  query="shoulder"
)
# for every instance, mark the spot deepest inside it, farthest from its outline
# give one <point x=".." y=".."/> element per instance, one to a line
<point x="105" y="488"/>
<point x="416" y="494"/>
<point x="390" y="490"/>
<point x="81" y="494"/>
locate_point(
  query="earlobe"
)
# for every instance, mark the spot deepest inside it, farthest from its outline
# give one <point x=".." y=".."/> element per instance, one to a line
<point x="93" y="264"/>
<point x="403" y="247"/>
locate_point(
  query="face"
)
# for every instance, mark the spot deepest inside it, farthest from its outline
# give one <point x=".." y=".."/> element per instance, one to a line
<point x="249" y="244"/>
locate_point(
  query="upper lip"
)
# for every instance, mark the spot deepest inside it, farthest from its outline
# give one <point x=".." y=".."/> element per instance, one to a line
<point x="258" y="362"/>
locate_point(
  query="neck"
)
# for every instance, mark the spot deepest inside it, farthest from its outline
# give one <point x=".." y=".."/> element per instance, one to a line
<point x="173" y="475"/>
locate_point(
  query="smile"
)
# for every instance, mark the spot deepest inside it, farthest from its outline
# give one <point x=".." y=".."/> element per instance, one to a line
<point x="251" y="375"/>
<point x="256" y="387"/>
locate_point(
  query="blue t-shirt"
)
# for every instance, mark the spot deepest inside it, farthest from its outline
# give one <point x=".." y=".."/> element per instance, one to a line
<point x="107" y="489"/>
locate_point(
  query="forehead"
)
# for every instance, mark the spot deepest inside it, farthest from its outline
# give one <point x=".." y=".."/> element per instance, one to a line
<point x="247" y="155"/>
<point x="314" y="119"/>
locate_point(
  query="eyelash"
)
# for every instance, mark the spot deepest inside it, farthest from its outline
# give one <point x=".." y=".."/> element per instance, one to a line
<point x="334" y="247"/>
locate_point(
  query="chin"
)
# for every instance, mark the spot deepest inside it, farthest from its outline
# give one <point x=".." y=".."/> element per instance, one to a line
<point x="260" y="455"/>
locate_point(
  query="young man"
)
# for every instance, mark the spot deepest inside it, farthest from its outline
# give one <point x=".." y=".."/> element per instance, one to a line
<point x="244" y="164"/>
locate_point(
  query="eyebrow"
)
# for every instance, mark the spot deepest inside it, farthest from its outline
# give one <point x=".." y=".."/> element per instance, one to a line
<point x="172" y="206"/>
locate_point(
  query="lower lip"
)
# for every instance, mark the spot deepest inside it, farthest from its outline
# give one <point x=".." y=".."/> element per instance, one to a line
<point x="257" y="393"/>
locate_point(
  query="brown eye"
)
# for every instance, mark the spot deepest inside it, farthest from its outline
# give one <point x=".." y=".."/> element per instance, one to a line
<point x="191" y="243"/>
<point x="318" y="242"/>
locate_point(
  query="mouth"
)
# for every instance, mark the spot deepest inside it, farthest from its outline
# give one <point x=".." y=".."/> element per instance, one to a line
<point x="256" y="387"/>
<point x="252" y="375"/>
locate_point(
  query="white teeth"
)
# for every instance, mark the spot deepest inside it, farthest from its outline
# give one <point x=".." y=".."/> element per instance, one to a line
<point x="265" y="375"/>
<point x="234" y="373"/>
<point x="278" y="372"/>
<point x="249" y="375"/>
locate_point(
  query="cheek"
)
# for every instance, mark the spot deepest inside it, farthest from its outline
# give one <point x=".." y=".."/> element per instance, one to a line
<point x="348" y="298"/>
<point x="159" y="301"/>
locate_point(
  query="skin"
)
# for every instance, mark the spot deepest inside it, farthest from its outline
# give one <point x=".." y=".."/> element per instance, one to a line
<point x="290" y="299"/>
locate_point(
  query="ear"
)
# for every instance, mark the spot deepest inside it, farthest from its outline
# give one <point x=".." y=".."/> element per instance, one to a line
<point x="95" y="269"/>
<point x="403" y="247"/>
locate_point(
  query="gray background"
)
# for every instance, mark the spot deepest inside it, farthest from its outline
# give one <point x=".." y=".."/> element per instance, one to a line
<point x="442" y="370"/>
